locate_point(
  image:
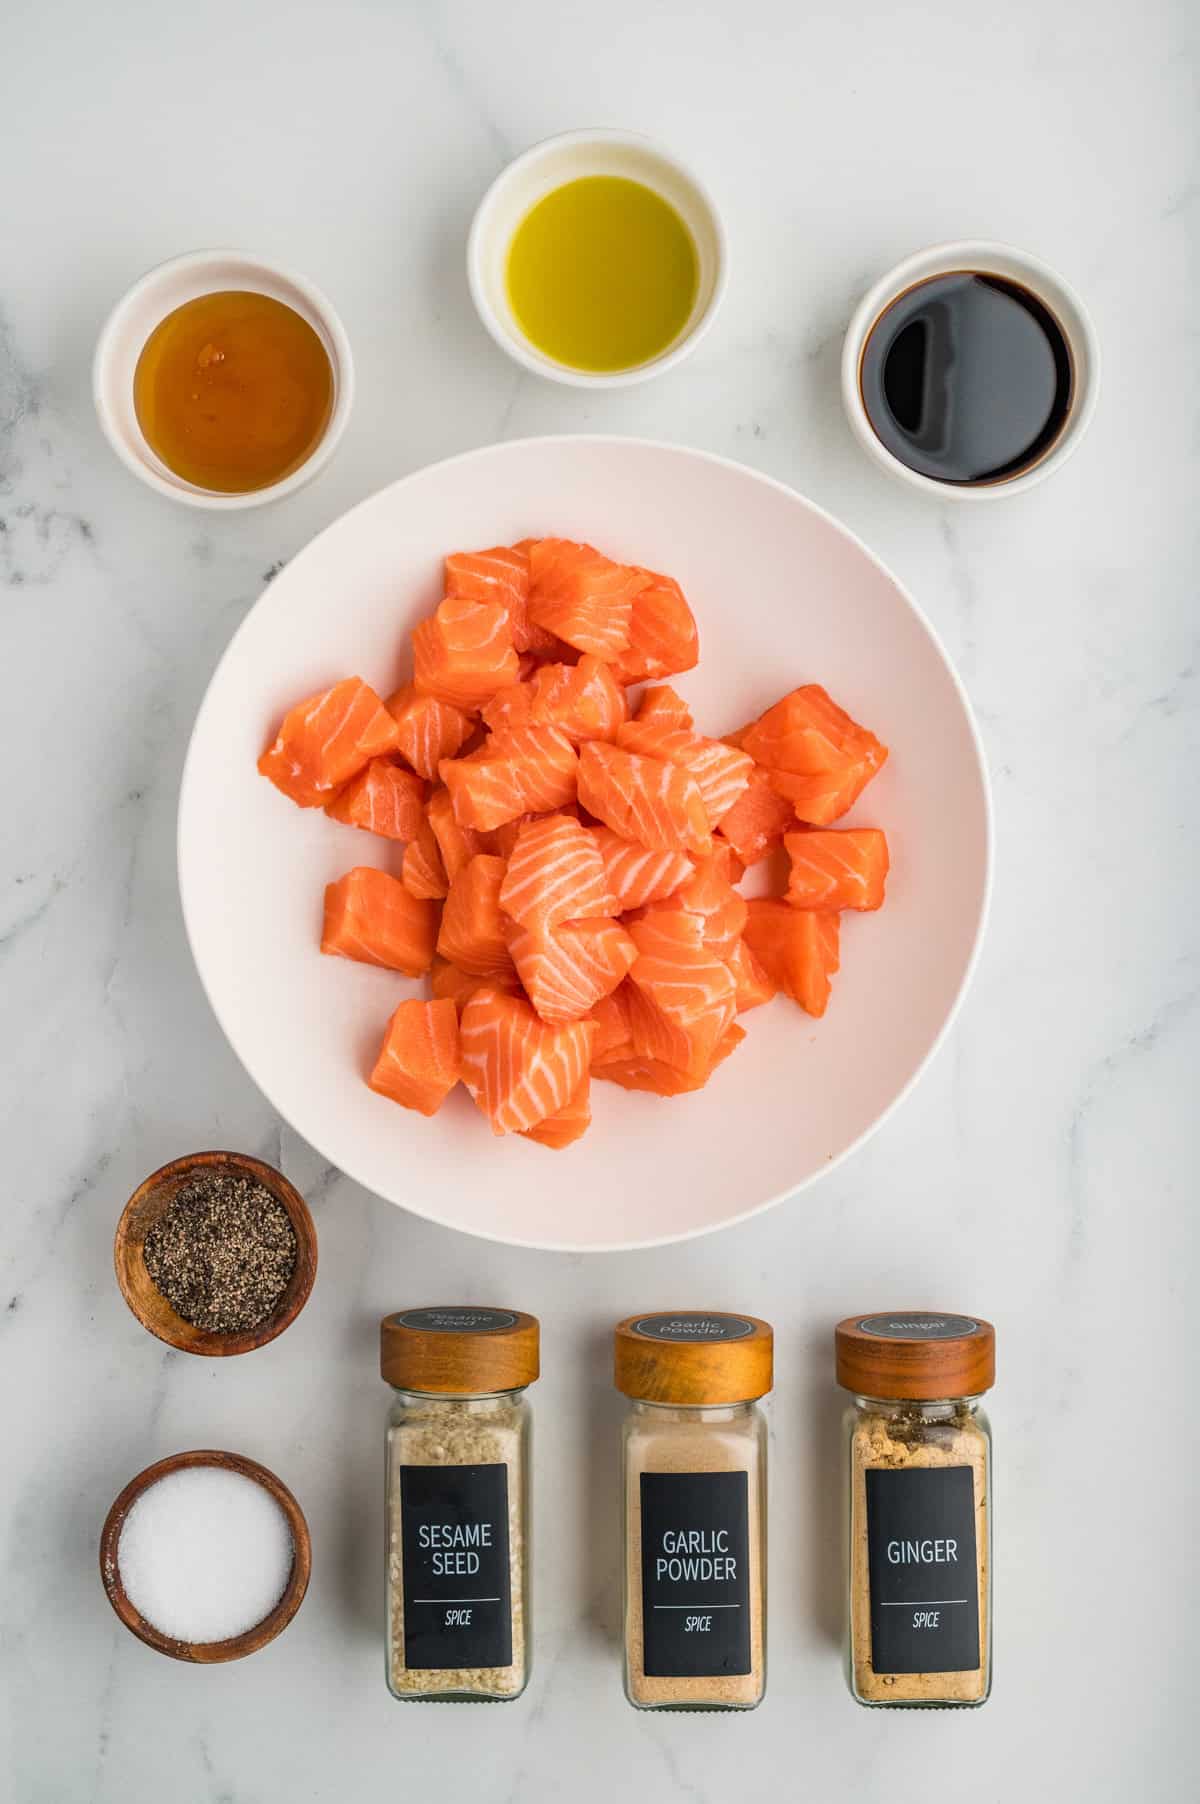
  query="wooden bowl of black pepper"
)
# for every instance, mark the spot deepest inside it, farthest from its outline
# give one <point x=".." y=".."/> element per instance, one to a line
<point x="216" y="1253"/>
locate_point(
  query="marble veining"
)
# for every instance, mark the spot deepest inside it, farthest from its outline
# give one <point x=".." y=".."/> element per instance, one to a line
<point x="1044" y="1172"/>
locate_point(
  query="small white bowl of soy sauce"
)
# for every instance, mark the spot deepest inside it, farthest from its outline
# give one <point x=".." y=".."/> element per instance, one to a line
<point x="971" y="370"/>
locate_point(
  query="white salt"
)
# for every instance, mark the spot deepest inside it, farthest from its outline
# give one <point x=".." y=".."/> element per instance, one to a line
<point x="205" y="1554"/>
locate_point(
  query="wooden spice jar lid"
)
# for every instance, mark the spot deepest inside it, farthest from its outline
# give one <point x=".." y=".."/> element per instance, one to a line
<point x="459" y="1351"/>
<point x="918" y="1354"/>
<point x="694" y="1357"/>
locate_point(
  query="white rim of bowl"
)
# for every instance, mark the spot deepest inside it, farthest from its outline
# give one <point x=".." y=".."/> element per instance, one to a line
<point x="518" y="347"/>
<point x="1049" y="287"/>
<point x="109" y="346"/>
<point x="938" y="1040"/>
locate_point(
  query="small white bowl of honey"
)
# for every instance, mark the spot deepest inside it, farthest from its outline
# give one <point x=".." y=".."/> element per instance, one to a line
<point x="223" y="380"/>
<point x="598" y="259"/>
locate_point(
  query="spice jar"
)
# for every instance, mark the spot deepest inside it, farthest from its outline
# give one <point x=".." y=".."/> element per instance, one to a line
<point x="695" y="1477"/>
<point x="458" y="1501"/>
<point x="920" y="1506"/>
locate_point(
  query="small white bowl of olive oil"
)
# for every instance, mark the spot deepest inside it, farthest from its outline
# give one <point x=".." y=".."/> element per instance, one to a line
<point x="223" y="380"/>
<point x="597" y="259"/>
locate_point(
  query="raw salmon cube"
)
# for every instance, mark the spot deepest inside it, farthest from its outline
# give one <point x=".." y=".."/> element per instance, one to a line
<point x="499" y="841"/>
<point x="819" y="759"/>
<point x="614" y="1035"/>
<point x="636" y="875"/>
<point x="429" y="729"/>
<point x="472" y="930"/>
<point x="835" y="870"/>
<point x="582" y="700"/>
<point x="797" y="948"/>
<point x="326" y="740"/>
<point x="825" y="795"/>
<point x="511" y="707"/>
<point x="543" y="646"/>
<point x="643" y="799"/>
<point x="720" y="771"/>
<point x="661" y="706"/>
<point x="525" y="770"/>
<point x="418" y="1062"/>
<point x="519" y="1069"/>
<point x="709" y="895"/>
<point x="555" y="873"/>
<point x="567" y="969"/>
<point x="656" y="739"/>
<point x="464" y="652"/>
<point x="663" y="640"/>
<point x="370" y="916"/>
<point x="499" y="575"/>
<point x="422" y="872"/>
<point x="682" y="997"/>
<point x="448" y="982"/>
<point x="457" y="845"/>
<point x="758" y="819"/>
<point x="727" y="861"/>
<point x="754" y="986"/>
<point x="581" y="596"/>
<point x="639" y="1072"/>
<point x="723" y="775"/>
<point x="567" y="1124"/>
<point x="807" y="732"/>
<point x="502" y="574"/>
<point x="385" y="798"/>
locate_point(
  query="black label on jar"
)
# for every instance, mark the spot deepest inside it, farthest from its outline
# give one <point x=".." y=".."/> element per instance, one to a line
<point x="924" y="1576"/>
<point x="454" y="1539"/>
<point x="695" y="1574"/>
<point x="457" y="1320"/>
<point x="919" y="1324"/>
<point x="693" y="1327"/>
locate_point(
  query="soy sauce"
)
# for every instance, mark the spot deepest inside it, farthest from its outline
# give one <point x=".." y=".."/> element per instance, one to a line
<point x="967" y="378"/>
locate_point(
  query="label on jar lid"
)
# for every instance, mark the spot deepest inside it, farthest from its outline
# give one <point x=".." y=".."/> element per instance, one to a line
<point x="924" y="1577"/>
<point x="693" y="1327"/>
<point x="919" y="1324"/>
<point x="457" y="1320"/>
<point x="454" y="1550"/>
<point x="695" y="1574"/>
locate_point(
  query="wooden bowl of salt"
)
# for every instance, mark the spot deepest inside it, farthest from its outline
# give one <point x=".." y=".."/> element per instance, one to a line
<point x="212" y="1542"/>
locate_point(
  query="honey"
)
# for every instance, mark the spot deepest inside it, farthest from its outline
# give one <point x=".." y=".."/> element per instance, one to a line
<point x="233" y="391"/>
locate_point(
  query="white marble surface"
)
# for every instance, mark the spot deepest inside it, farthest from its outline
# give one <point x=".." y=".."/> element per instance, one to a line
<point x="1044" y="1173"/>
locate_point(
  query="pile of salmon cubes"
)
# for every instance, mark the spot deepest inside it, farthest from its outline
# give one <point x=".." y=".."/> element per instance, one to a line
<point x="571" y="853"/>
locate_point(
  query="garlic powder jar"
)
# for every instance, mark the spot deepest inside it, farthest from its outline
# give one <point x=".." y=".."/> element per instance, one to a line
<point x="695" y="1486"/>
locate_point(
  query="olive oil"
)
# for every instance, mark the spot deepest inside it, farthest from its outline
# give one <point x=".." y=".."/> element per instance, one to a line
<point x="602" y="274"/>
<point x="233" y="391"/>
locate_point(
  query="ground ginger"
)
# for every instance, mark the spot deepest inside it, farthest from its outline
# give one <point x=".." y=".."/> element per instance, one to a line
<point x="920" y="1554"/>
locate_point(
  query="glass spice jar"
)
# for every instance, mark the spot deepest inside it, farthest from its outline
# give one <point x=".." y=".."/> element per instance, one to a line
<point x="695" y="1485"/>
<point x="458" y="1616"/>
<point x="920" y="1468"/>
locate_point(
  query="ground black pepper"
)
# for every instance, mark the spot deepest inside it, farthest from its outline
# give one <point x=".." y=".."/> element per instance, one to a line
<point x="223" y="1252"/>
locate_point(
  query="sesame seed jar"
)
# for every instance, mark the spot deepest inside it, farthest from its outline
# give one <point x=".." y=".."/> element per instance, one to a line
<point x="458" y="1434"/>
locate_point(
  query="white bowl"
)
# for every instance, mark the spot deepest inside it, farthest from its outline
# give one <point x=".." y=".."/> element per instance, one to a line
<point x="783" y="595"/>
<point x="547" y="166"/>
<point x="982" y="258"/>
<point x="158" y="293"/>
